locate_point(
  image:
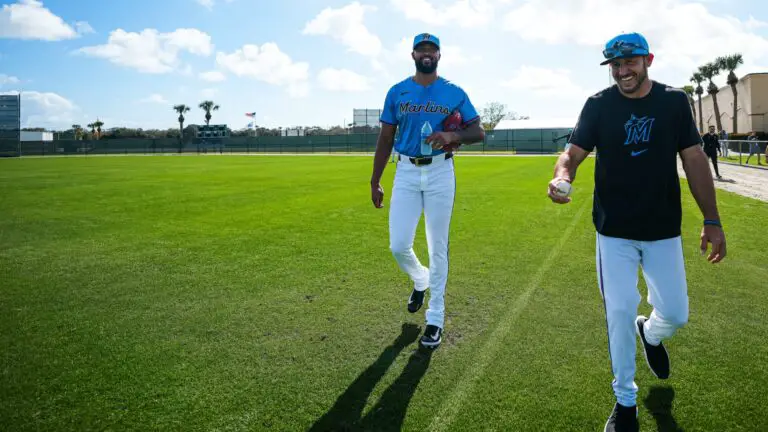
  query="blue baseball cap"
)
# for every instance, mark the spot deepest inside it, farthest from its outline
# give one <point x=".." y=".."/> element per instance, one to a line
<point x="625" y="45"/>
<point x="424" y="38"/>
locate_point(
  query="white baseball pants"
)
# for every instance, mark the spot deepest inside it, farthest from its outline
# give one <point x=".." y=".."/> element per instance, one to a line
<point x="664" y="273"/>
<point x="431" y="189"/>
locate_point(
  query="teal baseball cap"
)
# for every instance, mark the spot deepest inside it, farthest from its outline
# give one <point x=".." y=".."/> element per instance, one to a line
<point x="426" y="38"/>
<point x="625" y="45"/>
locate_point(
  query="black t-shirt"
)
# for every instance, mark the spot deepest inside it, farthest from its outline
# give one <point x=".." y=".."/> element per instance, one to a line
<point x="637" y="189"/>
<point x="711" y="143"/>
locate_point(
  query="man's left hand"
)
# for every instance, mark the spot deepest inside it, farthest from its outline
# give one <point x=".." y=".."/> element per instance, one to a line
<point x="715" y="235"/>
<point x="444" y="140"/>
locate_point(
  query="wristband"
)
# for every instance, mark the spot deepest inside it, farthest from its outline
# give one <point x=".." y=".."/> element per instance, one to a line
<point x="714" y="222"/>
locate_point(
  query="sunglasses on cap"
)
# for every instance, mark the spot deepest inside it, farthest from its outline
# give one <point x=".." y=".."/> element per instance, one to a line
<point x="624" y="49"/>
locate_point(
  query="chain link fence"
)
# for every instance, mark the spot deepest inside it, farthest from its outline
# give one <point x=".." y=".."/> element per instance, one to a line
<point x="520" y="141"/>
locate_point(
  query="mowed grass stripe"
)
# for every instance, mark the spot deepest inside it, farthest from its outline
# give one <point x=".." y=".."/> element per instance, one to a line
<point x="454" y="402"/>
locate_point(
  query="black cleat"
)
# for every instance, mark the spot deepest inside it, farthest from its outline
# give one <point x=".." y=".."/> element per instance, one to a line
<point x="655" y="355"/>
<point x="622" y="419"/>
<point x="433" y="335"/>
<point x="415" y="300"/>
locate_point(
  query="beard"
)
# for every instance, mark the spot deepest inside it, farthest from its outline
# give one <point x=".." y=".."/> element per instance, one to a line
<point x="629" y="88"/>
<point x="421" y="67"/>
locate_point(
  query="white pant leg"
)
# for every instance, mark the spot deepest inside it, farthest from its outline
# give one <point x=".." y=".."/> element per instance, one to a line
<point x="404" y="213"/>
<point x="439" y="196"/>
<point x="664" y="273"/>
<point x="617" y="264"/>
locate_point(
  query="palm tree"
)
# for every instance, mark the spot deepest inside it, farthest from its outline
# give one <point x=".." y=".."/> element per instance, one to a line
<point x="709" y="71"/>
<point x="208" y="106"/>
<point x="181" y="109"/>
<point x="98" y="124"/>
<point x="730" y="63"/>
<point x="698" y="79"/>
<point x="78" y="131"/>
<point x="92" y="126"/>
<point x="689" y="92"/>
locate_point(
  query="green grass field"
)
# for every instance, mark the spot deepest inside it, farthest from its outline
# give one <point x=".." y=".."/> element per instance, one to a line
<point x="258" y="293"/>
<point x="752" y="161"/>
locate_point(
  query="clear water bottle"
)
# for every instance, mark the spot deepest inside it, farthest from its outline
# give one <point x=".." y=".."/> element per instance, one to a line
<point x="426" y="130"/>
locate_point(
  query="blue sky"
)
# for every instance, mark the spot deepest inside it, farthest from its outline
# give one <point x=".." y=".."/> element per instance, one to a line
<point x="305" y="63"/>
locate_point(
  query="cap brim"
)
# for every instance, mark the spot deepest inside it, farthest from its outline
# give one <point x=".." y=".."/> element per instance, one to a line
<point x="426" y="42"/>
<point x="642" y="54"/>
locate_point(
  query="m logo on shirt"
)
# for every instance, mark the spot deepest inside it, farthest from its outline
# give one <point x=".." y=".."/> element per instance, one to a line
<point x="638" y="129"/>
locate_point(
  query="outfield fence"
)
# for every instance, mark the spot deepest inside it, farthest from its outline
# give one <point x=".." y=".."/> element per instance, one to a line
<point x="524" y="141"/>
<point x="740" y="151"/>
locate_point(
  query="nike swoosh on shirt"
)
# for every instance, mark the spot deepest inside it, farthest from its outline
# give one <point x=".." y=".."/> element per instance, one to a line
<point x="405" y="92"/>
<point x="635" y="153"/>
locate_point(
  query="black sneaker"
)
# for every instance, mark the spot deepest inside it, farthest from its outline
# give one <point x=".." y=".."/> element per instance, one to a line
<point x="622" y="419"/>
<point x="655" y="355"/>
<point x="433" y="335"/>
<point x="415" y="300"/>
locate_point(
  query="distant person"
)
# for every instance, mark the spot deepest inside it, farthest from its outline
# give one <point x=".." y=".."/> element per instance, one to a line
<point x="712" y="148"/>
<point x="754" y="148"/>
<point x="567" y="139"/>
<point x="766" y="154"/>
<point x="724" y="137"/>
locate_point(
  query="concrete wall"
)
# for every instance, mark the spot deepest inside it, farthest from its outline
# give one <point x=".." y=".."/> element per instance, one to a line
<point x="752" y="105"/>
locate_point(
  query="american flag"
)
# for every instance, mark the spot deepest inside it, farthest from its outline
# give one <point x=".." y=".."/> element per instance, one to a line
<point x="252" y="115"/>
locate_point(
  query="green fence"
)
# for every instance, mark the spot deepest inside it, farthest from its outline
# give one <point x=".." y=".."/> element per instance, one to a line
<point x="531" y="141"/>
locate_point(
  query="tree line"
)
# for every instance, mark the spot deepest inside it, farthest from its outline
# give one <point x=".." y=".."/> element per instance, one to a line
<point x="491" y="114"/>
<point x="707" y="72"/>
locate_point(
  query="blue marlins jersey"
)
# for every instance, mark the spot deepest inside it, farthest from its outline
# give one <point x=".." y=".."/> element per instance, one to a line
<point x="409" y="104"/>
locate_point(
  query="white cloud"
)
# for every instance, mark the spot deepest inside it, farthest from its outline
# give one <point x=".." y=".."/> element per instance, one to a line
<point x="187" y="70"/>
<point x="28" y="19"/>
<point x="47" y="110"/>
<point x="7" y="79"/>
<point x="84" y="28"/>
<point x="342" y="80"/>
<point x="268" y="64"/>
<point x="208" y="4"/>
<point x="151" y="51"/>
<point x="397" y="61"/>
<point x="545" y="82"/>
<point x="753" y="23"/>
<point x="212" y="76"/>
<point x="667" y="24"/>
<point x="346" y="26"/>
<point x="462" y="13"/>
<point x="155" y="98"/>
<point x="209" y="93"/>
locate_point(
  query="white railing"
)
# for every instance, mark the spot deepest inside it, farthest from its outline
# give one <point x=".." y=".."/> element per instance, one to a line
<point x="741" y="150"/>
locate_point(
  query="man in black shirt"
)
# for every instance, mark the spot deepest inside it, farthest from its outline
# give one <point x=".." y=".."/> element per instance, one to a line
<point x="712" y="148"/>
<point x="638" y="128"/>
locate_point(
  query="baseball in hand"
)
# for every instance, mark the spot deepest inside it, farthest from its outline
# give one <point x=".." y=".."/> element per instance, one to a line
<point x="563" y="189"/>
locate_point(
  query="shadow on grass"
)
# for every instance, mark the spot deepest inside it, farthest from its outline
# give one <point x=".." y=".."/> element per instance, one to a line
<point x="389" y="412"/>
<point x="659" y="404"/>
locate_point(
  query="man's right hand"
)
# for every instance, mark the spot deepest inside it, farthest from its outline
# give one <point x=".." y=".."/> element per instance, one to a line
<point x="551" y="193"/>
<point x="377" y="195"/>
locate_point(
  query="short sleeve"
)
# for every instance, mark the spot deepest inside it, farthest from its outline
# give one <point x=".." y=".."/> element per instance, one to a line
<point x="689" y="135"/>
<point x="388" y="114"/>
<point x="585" y="132"/>
<point x="467" y="110"/>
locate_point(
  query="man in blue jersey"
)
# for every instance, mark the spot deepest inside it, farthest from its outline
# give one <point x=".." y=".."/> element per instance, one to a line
<point x="424" y="177"/>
